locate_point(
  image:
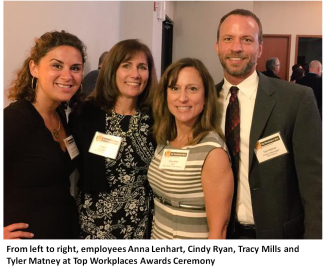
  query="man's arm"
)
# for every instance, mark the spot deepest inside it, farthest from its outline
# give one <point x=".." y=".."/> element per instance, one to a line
<point x="307" y="150"/>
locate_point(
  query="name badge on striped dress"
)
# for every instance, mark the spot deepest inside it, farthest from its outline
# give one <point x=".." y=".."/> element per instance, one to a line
<point x="174" y="160"/>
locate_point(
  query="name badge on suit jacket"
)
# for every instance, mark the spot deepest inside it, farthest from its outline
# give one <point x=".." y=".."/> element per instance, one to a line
<point x="270" y="147"/>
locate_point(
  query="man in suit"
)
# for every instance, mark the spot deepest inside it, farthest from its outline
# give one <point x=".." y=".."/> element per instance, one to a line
<point x="272" y="66"/>
<point x="313" y="79"/>
<point x="277" y="154"/>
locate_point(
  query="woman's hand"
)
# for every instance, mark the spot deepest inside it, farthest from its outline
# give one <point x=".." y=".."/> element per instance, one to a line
<point x="12" y="231"/>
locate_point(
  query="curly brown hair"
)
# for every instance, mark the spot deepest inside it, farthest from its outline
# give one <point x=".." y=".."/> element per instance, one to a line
<point x="21" y="87"/>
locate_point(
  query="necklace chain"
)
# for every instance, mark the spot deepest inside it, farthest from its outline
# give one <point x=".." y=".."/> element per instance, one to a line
<point x="55" y="131"/>
<point x="134" y="122"/>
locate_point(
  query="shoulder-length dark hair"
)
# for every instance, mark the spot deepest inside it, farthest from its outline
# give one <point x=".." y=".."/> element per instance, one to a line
<point x="106" y="92"/>
<point x="165" y="126"/>
<point x="21" y="87"/>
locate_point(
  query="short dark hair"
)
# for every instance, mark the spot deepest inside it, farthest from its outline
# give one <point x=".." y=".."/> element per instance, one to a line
<point x="296" y="74"/>
<point x="246" y="13"/>
<point x="296" y="66"/>
<point x="101" y="58"/>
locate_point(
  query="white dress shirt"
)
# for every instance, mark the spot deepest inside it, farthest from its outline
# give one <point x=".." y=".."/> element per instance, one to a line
<point x="246" y="97"/>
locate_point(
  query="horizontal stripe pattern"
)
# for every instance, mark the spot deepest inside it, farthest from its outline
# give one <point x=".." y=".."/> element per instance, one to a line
<point x="181" y="187"/>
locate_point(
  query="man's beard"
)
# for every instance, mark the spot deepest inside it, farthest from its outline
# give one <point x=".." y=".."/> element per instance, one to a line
<point x="244" y="70"/>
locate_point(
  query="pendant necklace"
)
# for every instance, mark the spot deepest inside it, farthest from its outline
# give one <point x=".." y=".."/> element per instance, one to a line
<point x="55" y="131"/>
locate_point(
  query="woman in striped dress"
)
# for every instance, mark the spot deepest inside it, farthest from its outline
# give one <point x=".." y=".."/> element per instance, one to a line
<point x="190" y="173"/>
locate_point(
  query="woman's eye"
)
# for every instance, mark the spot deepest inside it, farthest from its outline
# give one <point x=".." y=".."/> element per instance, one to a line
<point x="76" y="68"/>
<point x="193" y="88"/>
<point x="57" y="66"/>
<point x="143" y="68"/>
<point x="126" y="65"/>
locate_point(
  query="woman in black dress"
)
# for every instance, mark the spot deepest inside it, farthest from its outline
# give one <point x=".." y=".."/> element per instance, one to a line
<point x="114" y="198"/>
<point x="38" y="149"/>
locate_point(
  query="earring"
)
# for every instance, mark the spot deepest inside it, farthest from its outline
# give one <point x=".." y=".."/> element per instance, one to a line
<point x="34" y="81"/>
<point x="79" y="90"/>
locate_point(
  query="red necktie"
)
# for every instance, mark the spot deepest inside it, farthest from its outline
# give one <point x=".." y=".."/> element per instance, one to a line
<point x="232" y="129"/>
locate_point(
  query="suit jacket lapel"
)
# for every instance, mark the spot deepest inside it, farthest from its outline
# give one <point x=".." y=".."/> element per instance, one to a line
<point x="219" y="87"/>
<point x="264" y="104"/>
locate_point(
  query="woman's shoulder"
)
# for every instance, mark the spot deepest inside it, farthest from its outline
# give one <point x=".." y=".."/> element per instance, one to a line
<point x="87" y="109"/>
<point x="19" y="117"/>
<point x="213" y="137"/>
<point x="213" y="140"/>
<point x="89" y="106"/>
<point x="21" y="109"/>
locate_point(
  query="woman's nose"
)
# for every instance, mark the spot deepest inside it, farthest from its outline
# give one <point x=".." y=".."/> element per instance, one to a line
<point x="183" y="96"/>
<point x="135" y="73"/>
<point x="66" y="73"/>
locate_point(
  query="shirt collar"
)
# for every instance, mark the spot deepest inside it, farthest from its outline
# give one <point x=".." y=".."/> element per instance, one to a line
<point x="247" y="86"/>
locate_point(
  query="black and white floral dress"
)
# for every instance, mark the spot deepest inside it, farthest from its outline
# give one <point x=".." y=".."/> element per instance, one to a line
<point x="121" y="212"/>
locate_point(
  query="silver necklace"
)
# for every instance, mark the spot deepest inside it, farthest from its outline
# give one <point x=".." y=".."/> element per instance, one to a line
<point x="133" y="126"/>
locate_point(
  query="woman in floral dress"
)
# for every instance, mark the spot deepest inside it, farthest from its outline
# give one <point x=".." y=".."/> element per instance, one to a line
<point x="112" y="132"/>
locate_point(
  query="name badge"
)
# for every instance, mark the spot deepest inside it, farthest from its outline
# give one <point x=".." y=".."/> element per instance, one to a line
<point x="105" y="145"/>
<point x="71" y="147"/>
<point x="270" y="147"/>
<point x="174" y="160"/>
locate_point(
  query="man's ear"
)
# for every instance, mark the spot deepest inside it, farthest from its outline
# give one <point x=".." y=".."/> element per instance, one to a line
<point x="260" y="49"/>
<point x="216" y="47"/>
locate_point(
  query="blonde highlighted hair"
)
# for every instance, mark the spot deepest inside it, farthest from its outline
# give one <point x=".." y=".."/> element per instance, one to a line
<point x="165" y="126"/>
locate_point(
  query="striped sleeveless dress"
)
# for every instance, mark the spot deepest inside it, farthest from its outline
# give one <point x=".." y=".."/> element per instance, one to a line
<point x="179" y="199"/>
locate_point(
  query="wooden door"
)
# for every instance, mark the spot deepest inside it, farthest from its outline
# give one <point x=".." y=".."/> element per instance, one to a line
<point x="276" y="46"/>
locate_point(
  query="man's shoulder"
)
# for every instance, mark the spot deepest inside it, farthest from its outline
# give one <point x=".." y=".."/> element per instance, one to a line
<point x="219" y="87"/>
<point x="282" y="85"/>
<point x="266" y="72"/>
<point x="283" y="92"/>
<point x="92" y="73"/>
<point x="309" y="77"/>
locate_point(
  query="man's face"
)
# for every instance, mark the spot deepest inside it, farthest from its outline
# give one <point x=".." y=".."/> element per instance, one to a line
<point x="238" y="47"/>
<point x="277" y="67"/>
